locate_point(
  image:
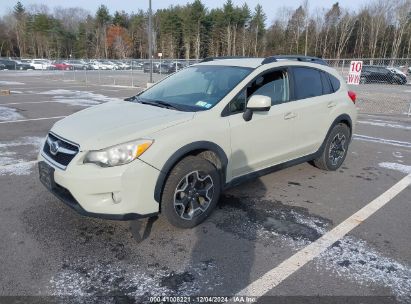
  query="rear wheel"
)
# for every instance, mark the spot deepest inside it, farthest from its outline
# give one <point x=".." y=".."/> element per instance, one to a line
<point x="191" y="192"/>
<point x="335" y="150"/>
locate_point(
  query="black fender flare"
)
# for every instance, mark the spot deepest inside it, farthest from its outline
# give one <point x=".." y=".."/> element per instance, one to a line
<point x="180" y="154"/>
<point x="341" y="118"/>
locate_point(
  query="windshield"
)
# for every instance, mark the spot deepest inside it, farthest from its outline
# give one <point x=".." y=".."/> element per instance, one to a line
<point x="196" y="88"/>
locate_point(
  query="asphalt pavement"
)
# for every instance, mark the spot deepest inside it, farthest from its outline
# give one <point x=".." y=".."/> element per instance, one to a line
<point x="49" y="250"/>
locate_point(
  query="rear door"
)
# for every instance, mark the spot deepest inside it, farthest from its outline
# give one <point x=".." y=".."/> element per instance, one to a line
<point x="312" y="105"/>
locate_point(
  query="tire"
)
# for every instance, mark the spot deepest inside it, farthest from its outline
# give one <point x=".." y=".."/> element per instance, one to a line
<point x="186" y="203"/>
<point x="335" y="150"/>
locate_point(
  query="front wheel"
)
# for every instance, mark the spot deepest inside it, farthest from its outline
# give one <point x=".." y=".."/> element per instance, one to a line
<point x="335" y="150"/>
<point x="191" y="192"/>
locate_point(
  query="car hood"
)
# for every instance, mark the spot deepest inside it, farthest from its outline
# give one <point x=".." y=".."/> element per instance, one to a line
<point x="116" y="122"/>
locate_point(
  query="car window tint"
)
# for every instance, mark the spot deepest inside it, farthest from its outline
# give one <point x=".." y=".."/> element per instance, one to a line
<point x="273" y="84"/>
<point x="327" y="88"/>
<point x="334" y="82"/>
<point x="307" y="82"/>
<point x="237" y="105"/>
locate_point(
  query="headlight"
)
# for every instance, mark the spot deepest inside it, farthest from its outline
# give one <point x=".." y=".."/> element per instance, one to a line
<point x="119" y="154"/>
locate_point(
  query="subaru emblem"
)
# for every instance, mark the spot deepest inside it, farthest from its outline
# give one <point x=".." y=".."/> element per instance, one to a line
<point x="54" y="147"/>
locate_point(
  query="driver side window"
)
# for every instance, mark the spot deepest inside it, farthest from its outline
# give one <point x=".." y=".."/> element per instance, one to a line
<point x="273" y="84"/>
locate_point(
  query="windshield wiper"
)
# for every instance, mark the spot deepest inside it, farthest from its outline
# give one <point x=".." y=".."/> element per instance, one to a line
<point x="156" y="103"/>
<point x="159" y="103"/>
<point x="165" y="104"/>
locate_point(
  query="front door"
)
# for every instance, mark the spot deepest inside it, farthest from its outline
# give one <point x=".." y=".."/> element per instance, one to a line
<point x="267" y="139"/>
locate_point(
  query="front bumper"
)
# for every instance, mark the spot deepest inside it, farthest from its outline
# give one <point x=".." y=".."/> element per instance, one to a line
<point x="118" y="193"/>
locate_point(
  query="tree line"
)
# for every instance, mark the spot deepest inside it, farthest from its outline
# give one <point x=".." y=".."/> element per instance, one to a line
<point x="379" y="29"/>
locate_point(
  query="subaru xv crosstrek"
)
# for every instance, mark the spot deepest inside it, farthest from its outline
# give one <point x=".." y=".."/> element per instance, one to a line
<point x="174" y="147"/>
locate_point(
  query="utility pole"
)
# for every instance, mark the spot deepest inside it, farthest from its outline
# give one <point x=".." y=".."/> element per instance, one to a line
<point x="150" y="37"/>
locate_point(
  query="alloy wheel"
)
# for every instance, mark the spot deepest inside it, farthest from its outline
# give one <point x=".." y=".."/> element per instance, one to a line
<point x="193" y="195"/>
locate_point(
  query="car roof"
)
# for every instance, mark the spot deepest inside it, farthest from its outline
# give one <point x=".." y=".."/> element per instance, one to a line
<point x="254" y="63"/>
<point x="374" y="66"/>
<point x="238" y="62"/>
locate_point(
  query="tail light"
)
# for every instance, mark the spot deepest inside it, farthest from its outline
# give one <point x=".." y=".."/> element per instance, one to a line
<point x="352" y="95"/>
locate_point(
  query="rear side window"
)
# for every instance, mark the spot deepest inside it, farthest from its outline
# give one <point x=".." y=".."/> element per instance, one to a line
<point x="327" y="88"/>
<point x="334" y="82"/>
<point x="307" y="82"/>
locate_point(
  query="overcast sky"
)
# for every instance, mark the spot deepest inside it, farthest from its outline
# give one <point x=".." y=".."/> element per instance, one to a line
<point x="270" y="6"/>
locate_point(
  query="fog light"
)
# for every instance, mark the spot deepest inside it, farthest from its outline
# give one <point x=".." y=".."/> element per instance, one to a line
<point x="116" y="197"/>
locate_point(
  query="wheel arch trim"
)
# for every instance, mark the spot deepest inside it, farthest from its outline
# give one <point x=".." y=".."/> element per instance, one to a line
<point x="180" y="154"/>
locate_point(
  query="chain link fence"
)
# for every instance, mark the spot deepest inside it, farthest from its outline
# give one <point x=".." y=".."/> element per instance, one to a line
<point x="384" y="82"/>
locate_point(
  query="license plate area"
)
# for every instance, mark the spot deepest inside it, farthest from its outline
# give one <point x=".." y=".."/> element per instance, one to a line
<point x="46" y="174"/>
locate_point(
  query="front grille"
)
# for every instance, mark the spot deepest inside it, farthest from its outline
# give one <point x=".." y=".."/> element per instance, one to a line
<point x="64" y="154"/>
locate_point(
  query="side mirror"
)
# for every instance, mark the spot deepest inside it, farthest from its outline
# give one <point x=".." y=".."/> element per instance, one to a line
<point x="256" y="103"/>
<point x="259" y="103"/>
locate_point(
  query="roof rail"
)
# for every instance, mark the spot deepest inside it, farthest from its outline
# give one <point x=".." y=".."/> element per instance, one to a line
<point x="222" y="58"/>
<point x="294" y="57"/>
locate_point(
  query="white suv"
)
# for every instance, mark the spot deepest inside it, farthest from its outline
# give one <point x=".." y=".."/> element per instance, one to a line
<point x="175" y="146"/>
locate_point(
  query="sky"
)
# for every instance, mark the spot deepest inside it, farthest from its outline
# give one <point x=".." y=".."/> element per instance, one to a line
<point x="270" y="6"/>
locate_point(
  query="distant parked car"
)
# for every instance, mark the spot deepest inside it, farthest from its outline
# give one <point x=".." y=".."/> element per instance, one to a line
<point x="107" y="65"/>
<point x="78" y="64"/>
<point x="20" y="65"/>
<point x="41" y="64"/>
<point x="2" y="66"/>
<point x="381" y="74"/>
<point x="175" y="66"/>
<point x="124" y="65"/>
<point x="138" y="65"/>
<point x="9" y="64"/>
<point x="156" y="66"/>
<point x="62" y="65"/>
<point x="15" y="65"/>
<point x="397" y="71"/>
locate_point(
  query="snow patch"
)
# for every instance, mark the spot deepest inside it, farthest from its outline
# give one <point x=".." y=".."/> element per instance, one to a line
<point x="19" y="168"/>
<point x="78" y="98"/>
<point x="395" y="166"/>
<point x="9" y="114"/>
<point x="82" y="277"/>
<point x="354" y="259"/>
<point x="11" y="83"/>
<point x="13" y="164"/>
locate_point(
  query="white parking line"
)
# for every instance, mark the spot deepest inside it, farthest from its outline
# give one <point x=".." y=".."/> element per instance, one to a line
<point x="277" y="275"/>
<point x="382" y="123"/>
<point x="391" y="142"/>
<point x="33" y="119"/>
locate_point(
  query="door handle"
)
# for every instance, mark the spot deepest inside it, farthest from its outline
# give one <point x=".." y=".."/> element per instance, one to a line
<point x="331" y="104"/>
<point x="290" y="115"/>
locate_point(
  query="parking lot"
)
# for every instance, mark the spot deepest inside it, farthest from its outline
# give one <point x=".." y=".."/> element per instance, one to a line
<point x="48" y="249"/>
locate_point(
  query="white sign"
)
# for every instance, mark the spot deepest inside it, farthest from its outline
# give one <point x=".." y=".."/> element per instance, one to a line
<point x="355" y="72"/>
<point x="160" y="54"/>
